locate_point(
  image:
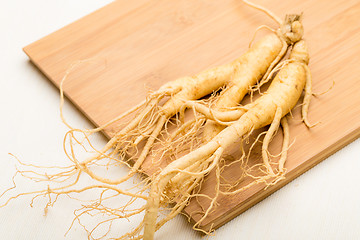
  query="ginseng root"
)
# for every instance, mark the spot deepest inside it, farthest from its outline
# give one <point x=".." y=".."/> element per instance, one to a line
<point x="174" y="97"/>
<point x="281" y="96"/>
<point x="226" y="124"/>
<point x="290" y="31"/>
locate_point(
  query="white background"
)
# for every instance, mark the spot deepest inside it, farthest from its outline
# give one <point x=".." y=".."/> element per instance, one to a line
<point x="323" y="203"/>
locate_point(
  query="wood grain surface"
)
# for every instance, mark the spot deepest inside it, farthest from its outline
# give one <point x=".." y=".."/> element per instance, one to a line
<point x="132" y="46"/>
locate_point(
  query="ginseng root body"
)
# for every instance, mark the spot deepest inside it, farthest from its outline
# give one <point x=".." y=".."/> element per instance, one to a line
<point x="153" y="114"/>
<point x="281" y="96"/>
<point x="223" y="123"/>
<point x="289" y="32"/>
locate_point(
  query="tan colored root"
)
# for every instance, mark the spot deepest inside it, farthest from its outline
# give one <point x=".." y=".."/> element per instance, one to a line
<point x="290" y="32"/>
<point x="221" y="117"/>
<point x="268" y="136"/>
<point x="266" y="11"/>
<point x="270" y="177"/>
<point x="163" y="92"/>
<point x="180" y="203"/>
<point x="65" y="190"/>
<point x="228" y="115"/>
<point x="68" y="189"/>
<point x="111" y="214"/>
<point x="258" y="180"/>
<point x="182" y="180"/>
<point x="230" y="184"/>
<point x="285" y="145"/>
<point x="122" y="135"/>
<point x="213" y="200"/>
<point x="145" y="126"/>
<point x="238" y="129"/>
<point x="268" y="77"/>
<point x="128" y="137"/>
<point x="160" y="182"/>
<point x="178" y="181"/>
<point x="258" y="29"/>
<point x="184" y="139"/>
<point x="118" y="141"/>
<point x="67" y="73"/>
<point x="266" y="178"/>
<point x="244" y="164"/>
<point x="148" y="123"/>
<point x="281" y="54"/>
<point x="96" y="207"/>
<point x="287" y="37"/>
<point x="307" y="98"/>
<point x="196" y="176"/>
<point x="182" y="130"/>
<point x="326" y="91"/>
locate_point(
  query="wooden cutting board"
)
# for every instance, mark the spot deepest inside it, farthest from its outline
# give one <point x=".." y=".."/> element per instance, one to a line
<point x="137" y="45"/>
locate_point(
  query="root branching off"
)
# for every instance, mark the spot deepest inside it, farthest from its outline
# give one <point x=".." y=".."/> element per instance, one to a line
<point x="165" y="152"/>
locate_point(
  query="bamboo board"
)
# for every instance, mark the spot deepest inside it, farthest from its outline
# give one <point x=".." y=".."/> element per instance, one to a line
<point x="136" y="45"/>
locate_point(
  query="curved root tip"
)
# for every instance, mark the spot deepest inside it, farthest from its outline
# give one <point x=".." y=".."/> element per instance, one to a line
<point x="324" y="92"/>
<point x="309" y="125"/>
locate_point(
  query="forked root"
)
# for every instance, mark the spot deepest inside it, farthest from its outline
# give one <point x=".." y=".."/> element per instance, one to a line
<point x="181" y="179"/>
<point x="145" y="127"/>
<point x="176" y="172"/>
<point x="307" y="98"/>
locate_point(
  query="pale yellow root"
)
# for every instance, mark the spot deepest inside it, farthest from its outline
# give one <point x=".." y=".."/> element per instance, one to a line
<point x="151" y="117"/>
<point x="268" y="136"/>
<point x="145" y="126"/>
<point x="260" y="58"/>
<point x="122" y="135"/>
<point x="204" y="83"/>
<point x="183" y="140"/>
<point x="281" y="97"/>
<point x="221" y="117"/>
<point x="190" y="169"/>
<point x="149" y="122"/>
<point x="213" y="200"/>
<point x="187" y="136"/>
<point x="168" y="173"/>
<point x="299" y="58"/>
<point x="266" y="79"/>
<point x="180" y="203"/>
<point x="269" y="177"/>
<point x="290" y="31"/>
<point x="257" y="30"/>
<point x="90" y="207"/>
<point x="285" y="146"/>
<point x="233" y="95"/>
<point x="307" y="97"/>
<point x="265" y="10"/>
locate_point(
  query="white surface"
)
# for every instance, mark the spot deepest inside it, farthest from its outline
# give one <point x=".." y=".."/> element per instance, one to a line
<point x="323" y="203"/>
